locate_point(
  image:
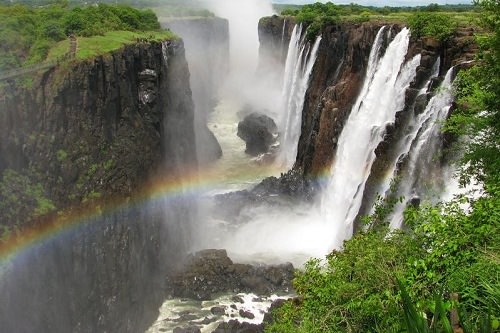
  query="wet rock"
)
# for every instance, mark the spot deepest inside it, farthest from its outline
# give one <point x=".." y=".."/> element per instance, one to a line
<point x="234" y="326"/>
<point x="211" y="149"/>
<point x="237" y="299"/>
<point x="186" y="317"/>
<point x="193" y="329"/>
<point x="210" y="272"/>
<point x="420" y="103"/>
<point x="259" y="131"/>
<point x="246" y="314"/>
<point x="218" y="310"/>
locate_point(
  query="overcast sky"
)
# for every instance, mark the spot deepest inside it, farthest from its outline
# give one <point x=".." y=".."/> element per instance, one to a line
<point x="380" y="3"/>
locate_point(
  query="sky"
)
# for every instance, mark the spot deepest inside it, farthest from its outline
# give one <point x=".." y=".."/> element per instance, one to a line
<point x="379" y="3"/>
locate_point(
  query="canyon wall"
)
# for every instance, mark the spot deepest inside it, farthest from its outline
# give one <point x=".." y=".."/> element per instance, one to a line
<point x="338" y="75"/>
<point x="92" y="136"/>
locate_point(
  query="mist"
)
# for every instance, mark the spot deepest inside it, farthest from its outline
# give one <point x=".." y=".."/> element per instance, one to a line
<point x="243" y="86"/>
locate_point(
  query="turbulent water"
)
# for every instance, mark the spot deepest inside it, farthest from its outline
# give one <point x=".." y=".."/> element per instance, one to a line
<point x="424" y="169"/>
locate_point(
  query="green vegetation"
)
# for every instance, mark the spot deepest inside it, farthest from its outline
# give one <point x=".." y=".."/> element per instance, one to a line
<point x="29" y="34"/>
<point x="403" y="281"/>
<point x="432" y="24"/>
<point x="89" y="47"/>
<point x="433" y="20"/>
<point x="22" y="199"/>
<point x="315" y="16"/>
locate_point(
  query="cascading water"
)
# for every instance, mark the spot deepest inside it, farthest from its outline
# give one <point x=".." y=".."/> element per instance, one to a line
<point x="404" y="145"/>
<point x="299" y="64"/>
<point x="425" y="145"/>
<point x="376" y="106"/>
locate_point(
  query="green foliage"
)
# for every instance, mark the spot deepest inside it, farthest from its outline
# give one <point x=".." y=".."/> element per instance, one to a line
<point x="415" y="322"/>
<point x="21" y="199"/>
<point x="478" y="116"/>
<point x="28" y="34"/>
<point x="431" y="24"/>
<point x="89" y="47"/>
<point x="316" y="16"/>
<point x="355" y="290"/>
<point x="61" y="155"/>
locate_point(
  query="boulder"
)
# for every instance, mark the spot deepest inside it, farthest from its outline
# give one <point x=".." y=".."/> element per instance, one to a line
<point x="210" y="272"/>
<point x="259" y="132"/>
<point x="234" y="326"/>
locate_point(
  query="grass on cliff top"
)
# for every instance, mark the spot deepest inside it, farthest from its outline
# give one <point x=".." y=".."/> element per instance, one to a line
<point x="88" y="47"/>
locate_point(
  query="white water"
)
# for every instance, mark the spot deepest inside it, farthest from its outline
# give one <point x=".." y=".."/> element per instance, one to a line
<point x="235" y="170"/>
<point x="381" y="97"/>
<point x="299" y="64"/>
<point x="425" y="146"/>
<point x="179" y="312"/>
<point x="412" y="130"/>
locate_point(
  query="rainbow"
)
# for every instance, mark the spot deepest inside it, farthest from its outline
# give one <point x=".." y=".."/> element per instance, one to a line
<point x="74" y="218"/>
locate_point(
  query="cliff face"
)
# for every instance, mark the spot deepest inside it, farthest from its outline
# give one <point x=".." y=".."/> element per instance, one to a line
<point x="338" y="76"/>
<point x="102" y="126"/>
<point x="88" y="132"/>
<point x="207" y="51"/>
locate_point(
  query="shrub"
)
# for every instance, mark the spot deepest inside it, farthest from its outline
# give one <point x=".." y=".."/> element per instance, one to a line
<point x="430" y="24"/>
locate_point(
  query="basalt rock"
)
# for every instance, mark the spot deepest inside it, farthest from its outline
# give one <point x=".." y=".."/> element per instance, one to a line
<point x="209" y="272"/>
<point x="337" y="78"/>
<point x="259" y="131"/>
<point x="234" y="326"/>
<point x="97" y="129"/>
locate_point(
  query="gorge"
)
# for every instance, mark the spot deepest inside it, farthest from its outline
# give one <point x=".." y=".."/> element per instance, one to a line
<point x="135" y="137"/>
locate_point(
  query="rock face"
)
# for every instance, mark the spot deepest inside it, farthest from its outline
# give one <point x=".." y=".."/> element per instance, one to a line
<point x="209" y="272"/>
<point x="259" y="132"/>
<point x="92" y="131"/>
<point x="338" y="75"/>
<point x="101" y="126"/>
<point x="207" y="51"/>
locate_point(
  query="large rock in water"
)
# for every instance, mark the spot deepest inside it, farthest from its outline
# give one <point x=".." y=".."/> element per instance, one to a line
<point x="210" y="272"/>
<point x="259" y="132"/>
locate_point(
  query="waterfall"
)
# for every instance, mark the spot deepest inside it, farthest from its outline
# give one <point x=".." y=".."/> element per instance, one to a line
<point x="298" y="67"/>
<point x="412" y="129"/>
<point x="425" y="147"/>
<point x="381" y="97"/>
<point x="164" y="52"/>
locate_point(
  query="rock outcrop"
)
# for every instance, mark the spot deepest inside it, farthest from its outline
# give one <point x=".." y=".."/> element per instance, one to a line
<point x="259" y="132"/>
<point x="96" y="132"/>
<point x="211" y="272"/>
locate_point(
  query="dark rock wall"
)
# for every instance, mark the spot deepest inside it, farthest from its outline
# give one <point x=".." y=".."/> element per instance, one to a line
<point x="338" y="76"/>
<point x="335" y="82"/>
<point x="99" y="126"/>
<point x="102" y="126"/>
